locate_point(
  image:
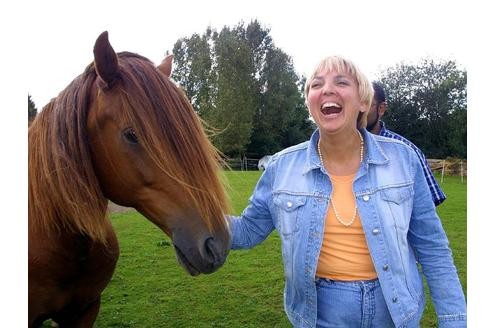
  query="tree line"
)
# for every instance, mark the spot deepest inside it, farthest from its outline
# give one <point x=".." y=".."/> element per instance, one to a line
<point x="244" y="88"/>
<point x="247" y="90"/>
<point x="428" y="105"/>
<point x="250" y="98"/>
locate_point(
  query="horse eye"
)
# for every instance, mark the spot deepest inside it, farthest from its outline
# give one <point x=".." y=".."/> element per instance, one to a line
<point x="130" y="136"/>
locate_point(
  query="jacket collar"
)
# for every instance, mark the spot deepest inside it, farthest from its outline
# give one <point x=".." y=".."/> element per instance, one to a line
<point x="373" y="152"/>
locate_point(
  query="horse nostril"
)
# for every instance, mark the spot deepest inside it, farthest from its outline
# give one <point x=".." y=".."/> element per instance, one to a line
<point x="212" y="251"/>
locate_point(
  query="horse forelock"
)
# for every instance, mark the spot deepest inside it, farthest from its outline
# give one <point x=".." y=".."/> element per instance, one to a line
<point x="64" y="193"/>
<point x="173" y="136"/>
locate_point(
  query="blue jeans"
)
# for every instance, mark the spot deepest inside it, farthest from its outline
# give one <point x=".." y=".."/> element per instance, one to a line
<point x="351" y="304"/>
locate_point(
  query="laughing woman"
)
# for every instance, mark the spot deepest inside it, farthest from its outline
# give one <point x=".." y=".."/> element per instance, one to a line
<point x="355" y="215"/>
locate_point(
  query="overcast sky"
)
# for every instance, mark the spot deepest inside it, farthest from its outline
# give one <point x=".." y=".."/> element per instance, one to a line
<point x="374" y="34"/>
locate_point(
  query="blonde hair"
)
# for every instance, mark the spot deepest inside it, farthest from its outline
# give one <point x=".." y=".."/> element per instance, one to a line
<point x="342" y="65"/>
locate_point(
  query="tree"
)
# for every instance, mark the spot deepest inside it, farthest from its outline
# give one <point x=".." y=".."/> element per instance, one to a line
<point x="244" y="87"/>
<point x="236" y="92"/>
<point x="32" y="110"/>
<point x="194" y="59"/>
<point x="282" y="119"/>
<point x="427" y="104"/>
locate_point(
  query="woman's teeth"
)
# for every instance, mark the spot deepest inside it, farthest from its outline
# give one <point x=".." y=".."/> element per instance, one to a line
<point x="330" y="108"/>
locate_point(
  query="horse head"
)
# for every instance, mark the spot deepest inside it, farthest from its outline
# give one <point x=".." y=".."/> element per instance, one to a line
<point x="150" y="152"/>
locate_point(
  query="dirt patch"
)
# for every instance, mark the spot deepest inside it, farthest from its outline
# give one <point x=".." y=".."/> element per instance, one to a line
<point x="114" y="208"/>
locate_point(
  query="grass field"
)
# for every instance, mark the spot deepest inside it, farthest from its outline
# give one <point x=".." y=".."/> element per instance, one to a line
<point x="149" y="289"/>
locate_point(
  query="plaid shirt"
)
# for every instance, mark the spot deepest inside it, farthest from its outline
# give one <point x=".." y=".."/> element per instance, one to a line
<point x="436" y="192"/>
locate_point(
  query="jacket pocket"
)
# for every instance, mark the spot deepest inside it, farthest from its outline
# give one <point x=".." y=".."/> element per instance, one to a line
<point x="397" y="195"/>
<point x="398" y="206"/>
<point x="289" y="209"/>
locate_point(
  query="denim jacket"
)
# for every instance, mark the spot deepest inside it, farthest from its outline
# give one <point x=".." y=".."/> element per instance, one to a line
<point x="398" y="217"/>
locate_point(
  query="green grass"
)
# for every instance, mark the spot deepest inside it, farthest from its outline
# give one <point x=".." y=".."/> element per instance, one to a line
<point x="453" y="213"/>
<point x="149" y="288"/>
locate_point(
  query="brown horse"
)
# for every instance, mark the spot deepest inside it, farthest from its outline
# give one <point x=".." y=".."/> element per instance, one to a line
<point x="120" y="131"/>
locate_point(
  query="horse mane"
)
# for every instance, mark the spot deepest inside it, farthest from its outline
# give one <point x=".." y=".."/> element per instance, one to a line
<point x="64" y="192"/>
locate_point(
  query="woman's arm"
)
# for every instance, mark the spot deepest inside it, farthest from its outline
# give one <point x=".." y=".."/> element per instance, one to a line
<point x="429" y="241"/>
<point x="255" y="223"/>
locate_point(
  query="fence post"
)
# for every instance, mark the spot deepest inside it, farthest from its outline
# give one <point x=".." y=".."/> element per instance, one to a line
<point x="244" y="163"/>
<point x="443" y="171"/>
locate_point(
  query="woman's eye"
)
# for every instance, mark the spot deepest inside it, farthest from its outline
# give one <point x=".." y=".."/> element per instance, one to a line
<point x="315" y="85"/>
<point x="130" y="136"/>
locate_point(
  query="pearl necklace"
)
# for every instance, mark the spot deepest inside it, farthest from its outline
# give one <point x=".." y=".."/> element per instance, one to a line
<point x="346" y="224"/>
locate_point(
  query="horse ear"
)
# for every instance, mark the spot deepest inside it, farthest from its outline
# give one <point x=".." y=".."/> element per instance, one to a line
<point x="106" y="61"/>
<point x="166" y="66"/>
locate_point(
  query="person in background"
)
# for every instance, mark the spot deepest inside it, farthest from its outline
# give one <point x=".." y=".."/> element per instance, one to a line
<point x="354" y="214"/>
<point x="377" y="126"/>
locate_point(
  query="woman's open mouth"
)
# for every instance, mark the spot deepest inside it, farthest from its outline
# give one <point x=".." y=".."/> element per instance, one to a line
<point x="330" y="108"/>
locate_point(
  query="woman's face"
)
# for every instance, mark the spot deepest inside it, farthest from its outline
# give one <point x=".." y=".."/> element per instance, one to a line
<point x="334" y="101"/>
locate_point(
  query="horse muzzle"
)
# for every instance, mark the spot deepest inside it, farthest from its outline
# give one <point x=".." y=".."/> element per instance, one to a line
<point x="203" y="256"/>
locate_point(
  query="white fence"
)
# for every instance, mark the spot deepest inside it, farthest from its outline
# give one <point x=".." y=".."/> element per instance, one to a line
<point x="243" y="164"/>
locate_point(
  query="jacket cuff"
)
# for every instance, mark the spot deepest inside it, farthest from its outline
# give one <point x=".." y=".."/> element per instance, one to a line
<point x="452" y="320"/>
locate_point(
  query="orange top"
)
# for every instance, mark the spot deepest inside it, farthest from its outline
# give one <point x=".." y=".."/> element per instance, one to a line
<point x="344" y="253"/>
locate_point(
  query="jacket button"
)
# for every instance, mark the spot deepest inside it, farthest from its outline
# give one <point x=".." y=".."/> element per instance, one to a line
<point x="385" y="267"/>
<point x="366" y="198"/>
<point x="289" y="204"/>
<point x="376" y="231"/>
<point x="395" y="299"/>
